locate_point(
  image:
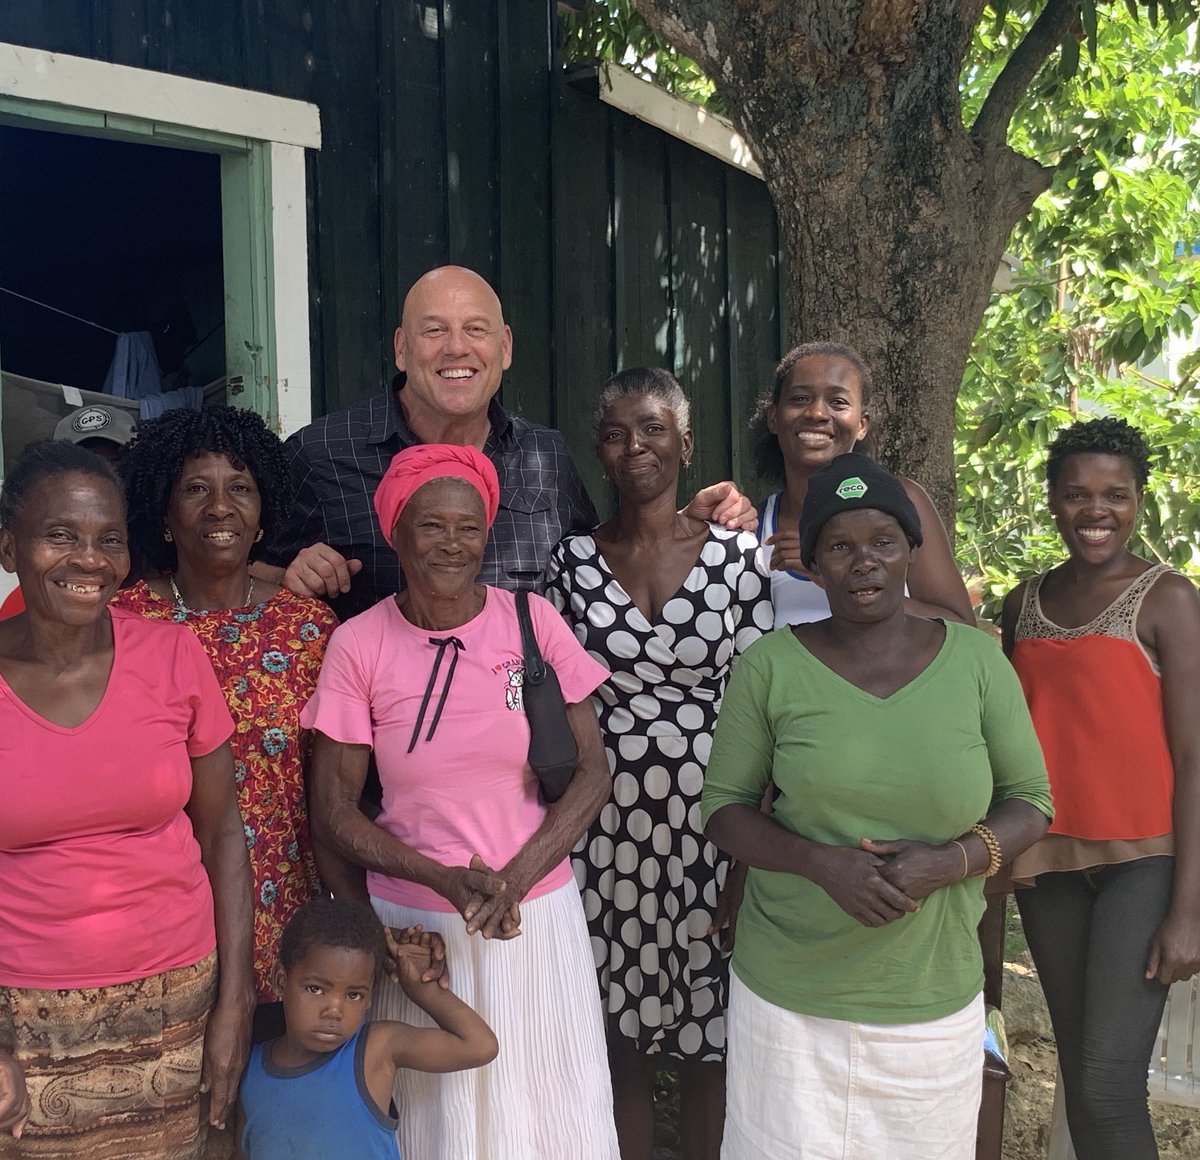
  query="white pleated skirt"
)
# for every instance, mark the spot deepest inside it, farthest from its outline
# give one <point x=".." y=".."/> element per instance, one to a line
<point x="804" y="1088"/>
<point x="547" y="1095"/>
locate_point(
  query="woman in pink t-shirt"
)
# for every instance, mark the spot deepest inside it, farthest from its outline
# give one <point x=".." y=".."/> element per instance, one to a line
<point x="431" y="681"/>
<point x="121" y="852"/>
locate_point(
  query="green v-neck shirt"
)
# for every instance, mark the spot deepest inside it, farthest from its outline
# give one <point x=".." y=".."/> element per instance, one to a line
<point x="925" y="763"/>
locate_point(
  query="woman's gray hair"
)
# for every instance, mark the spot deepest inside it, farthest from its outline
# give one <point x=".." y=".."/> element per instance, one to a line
<point x="652" y="381"/>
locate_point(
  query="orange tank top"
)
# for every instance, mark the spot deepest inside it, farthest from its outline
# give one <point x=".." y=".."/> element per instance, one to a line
<point x="1096" y="702"/>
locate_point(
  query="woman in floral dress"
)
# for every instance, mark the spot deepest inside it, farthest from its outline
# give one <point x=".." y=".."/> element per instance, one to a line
<point x="203" y="488"/>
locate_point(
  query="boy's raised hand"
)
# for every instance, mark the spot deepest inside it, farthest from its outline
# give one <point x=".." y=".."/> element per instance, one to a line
<point x="416" y="955"/>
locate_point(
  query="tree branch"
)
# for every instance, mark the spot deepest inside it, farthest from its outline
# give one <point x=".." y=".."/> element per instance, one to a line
<point x="1010" y="86"/>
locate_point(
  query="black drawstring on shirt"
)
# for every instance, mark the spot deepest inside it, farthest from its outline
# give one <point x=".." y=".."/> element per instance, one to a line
<point x="442" y="643"/>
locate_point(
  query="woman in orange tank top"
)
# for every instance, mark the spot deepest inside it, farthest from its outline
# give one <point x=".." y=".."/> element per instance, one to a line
<point x="1107" y="647"/>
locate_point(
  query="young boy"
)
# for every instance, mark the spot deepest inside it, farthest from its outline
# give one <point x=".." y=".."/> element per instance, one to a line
<point x="322" y="1090"/>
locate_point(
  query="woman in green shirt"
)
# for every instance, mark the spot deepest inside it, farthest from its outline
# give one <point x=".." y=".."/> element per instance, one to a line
<point x="905" y="769"/>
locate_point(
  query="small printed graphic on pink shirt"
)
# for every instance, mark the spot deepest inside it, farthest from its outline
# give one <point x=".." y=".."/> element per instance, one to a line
<point x="513" y="672"/>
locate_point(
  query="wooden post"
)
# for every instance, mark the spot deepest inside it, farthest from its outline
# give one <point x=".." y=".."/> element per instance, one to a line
<point x="989" y="1136"/>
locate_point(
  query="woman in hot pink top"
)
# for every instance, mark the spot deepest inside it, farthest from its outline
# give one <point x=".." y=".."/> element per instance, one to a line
<point x="431" y="680"/>
<point x="121" y="851"/>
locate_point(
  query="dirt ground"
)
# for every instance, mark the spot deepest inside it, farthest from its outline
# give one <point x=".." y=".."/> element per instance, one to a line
<point x="1031" y="1094"/>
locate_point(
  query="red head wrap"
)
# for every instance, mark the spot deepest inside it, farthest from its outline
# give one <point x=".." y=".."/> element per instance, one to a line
<point x="417" y="465"/>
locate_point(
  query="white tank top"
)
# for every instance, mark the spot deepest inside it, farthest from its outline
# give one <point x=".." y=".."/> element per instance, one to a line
<point x="795" y="598"/>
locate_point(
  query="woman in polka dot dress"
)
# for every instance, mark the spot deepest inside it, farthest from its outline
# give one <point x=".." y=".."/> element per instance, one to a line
<point x="667" y="602"/>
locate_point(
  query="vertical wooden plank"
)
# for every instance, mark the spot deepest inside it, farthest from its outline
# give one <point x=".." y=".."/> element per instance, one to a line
<point x="699" y="277"/>
<point x="278" y="54"/>
<point x="101" y="44"/>
<point x="390" y="66"/>
<point x="129" y="32"/>
<point x="413" y="153"/>
<point x="641" y="244"/>
<point x="277" y="46"/>
<point x="345" y="80"/>
<point x="583" y="276"/>
<point x="470" y="69"/>
<point x="523" y="118"/>
<point x="199" y="40"/>
<point x="71" y="30"/>
<point x="753" y="312"/>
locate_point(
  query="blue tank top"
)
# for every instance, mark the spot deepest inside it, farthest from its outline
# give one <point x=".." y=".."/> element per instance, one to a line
<point x="320" y="1111"/>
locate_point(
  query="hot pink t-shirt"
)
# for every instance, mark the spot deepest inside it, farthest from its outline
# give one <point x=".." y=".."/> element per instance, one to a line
<point x="469" y="790"/>
<point x="100" y="873"/>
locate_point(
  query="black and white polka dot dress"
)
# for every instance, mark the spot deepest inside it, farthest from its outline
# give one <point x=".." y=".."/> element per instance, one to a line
<point x="649" y="878"/>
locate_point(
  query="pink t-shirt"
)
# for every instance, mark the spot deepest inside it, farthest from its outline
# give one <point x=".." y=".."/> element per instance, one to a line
<point x="100" y="873"/>
<point x="469" y="790"/>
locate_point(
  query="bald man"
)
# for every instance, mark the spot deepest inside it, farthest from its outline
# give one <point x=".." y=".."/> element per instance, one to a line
<point x="452" y="348"/>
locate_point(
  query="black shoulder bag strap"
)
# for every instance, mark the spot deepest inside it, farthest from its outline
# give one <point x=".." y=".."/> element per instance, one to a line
<point x="553" y="753"/>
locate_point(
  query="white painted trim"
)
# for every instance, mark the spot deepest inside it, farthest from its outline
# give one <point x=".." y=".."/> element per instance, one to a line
<point x="289" y="276"/>
<point x="708" y="131"/>
<point x="74" y="82"/>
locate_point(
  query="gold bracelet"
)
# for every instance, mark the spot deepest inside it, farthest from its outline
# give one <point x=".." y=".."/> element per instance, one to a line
<point x="966" y="860"/>
<point x="995" y="854"/>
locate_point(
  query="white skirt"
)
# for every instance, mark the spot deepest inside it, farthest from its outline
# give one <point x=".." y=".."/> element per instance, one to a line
<point x="547" y="1095"/>
<point x="804" y="1088"/>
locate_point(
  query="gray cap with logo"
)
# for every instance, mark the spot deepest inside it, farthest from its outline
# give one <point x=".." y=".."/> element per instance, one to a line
<point x="96" y="422"/>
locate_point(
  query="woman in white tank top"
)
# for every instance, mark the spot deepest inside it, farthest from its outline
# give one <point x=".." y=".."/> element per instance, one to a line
<point x="818" y="409"/>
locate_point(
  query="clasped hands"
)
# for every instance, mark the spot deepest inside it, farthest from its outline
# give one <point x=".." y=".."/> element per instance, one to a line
<point x="488" y="900"/>
<point x="416" y="956"/>
<point x="882" y="881"/>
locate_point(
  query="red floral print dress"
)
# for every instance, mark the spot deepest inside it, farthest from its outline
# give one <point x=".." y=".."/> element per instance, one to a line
<point x="266" y="658"/>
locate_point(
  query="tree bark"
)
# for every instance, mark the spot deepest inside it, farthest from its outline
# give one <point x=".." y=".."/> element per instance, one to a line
<point x="894" y="217"/>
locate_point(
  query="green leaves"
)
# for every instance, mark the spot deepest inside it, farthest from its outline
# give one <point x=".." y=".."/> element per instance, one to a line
<point x="1107" y="290"/>
<point x="614" y="32"/>
<point x="1103" y="317"/>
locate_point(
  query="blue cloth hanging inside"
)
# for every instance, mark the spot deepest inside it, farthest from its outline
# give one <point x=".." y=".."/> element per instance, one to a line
<point x="152" y="406"/>
<point x="133" y="373"/>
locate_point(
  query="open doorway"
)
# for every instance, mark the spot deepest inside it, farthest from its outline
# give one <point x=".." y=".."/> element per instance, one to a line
<point x="102" y="238"/>
<point x="247" y="299"/>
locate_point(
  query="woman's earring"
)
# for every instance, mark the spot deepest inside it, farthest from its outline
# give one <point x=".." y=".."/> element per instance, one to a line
<point x="259" y="536"/>
<point x="167" y="536"/>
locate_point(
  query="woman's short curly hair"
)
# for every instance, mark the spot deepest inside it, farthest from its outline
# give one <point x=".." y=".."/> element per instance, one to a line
<point x="44" y="460"/>
<point x="1099" y="437"/>
<point x="653" y="381"/>
<point x="155" y="461"/>
<point x="768" y="459"/>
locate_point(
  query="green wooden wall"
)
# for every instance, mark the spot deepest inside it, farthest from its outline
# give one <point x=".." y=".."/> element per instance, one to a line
<point x="450" y="135"/>
<point x="663" y="256"/>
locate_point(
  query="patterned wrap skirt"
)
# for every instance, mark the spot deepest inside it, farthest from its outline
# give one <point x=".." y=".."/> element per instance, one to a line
<point x="113" y="1073"/>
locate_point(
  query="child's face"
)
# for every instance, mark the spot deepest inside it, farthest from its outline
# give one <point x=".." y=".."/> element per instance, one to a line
<point x="326" y="996"/>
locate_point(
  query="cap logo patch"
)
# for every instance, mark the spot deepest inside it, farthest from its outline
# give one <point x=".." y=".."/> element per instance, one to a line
<point x="851" y="488"/>
<point x="93" y="419"/>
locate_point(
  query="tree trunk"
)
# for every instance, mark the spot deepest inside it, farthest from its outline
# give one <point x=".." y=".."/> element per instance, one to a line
<point x="894" y="218"/>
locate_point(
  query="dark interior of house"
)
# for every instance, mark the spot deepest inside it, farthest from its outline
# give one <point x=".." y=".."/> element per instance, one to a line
<point x="118" y="236"/>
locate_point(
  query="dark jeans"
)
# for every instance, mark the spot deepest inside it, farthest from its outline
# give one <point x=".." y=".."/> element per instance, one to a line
<point x="1089" y="932"/>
